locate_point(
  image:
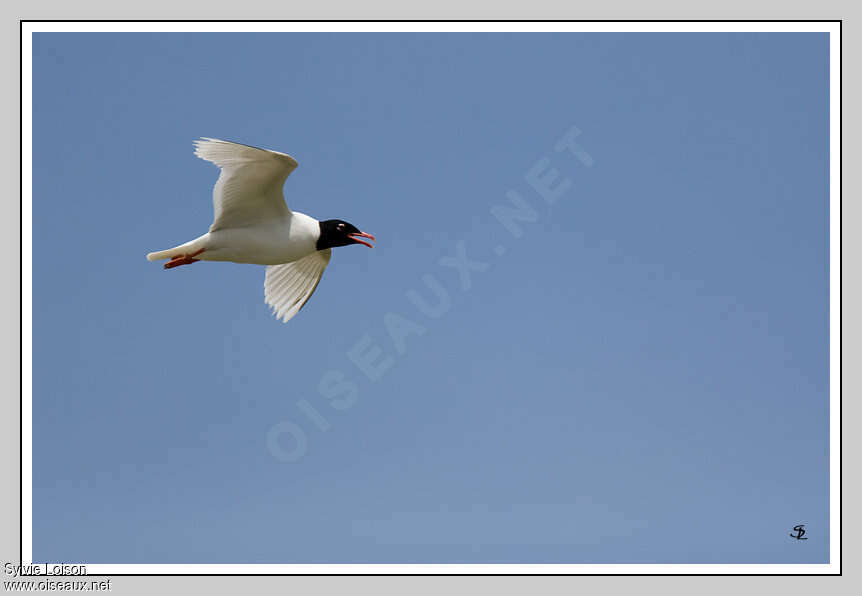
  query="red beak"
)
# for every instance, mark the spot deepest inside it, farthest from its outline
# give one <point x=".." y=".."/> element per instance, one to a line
<point x="357" y="235"/>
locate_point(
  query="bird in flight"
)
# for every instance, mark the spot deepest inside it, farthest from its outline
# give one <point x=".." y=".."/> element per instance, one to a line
<point x="253" y="224"/>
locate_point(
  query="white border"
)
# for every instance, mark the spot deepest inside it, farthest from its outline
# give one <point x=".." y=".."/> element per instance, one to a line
<point x="718" y="26"/>
<point x="26" y="295"/>
<point x="835" y="297"/>
<point x="431" y="26"/>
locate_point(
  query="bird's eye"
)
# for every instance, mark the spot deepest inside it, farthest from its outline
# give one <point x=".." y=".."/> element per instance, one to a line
<point x="340" y="226"/>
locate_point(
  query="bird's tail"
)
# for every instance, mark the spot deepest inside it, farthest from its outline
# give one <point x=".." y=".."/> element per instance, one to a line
<point x="177" y="251"/>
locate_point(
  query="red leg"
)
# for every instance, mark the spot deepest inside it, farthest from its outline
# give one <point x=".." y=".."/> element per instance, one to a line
<point x="183" y="260"/>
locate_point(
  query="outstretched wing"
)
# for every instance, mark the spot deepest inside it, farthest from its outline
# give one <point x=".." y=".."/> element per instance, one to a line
<point x="289" y="286"/>
<point x="248" y="191"/>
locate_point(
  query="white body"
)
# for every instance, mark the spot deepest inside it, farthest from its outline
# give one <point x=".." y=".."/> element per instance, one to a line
<point x="283" y="240"/>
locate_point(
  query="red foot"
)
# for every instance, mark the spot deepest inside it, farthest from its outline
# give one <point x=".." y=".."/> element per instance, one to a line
<point x="183" y="260"/>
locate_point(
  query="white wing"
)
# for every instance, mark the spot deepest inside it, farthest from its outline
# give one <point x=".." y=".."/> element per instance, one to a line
<point x="248" y="191"/>
<point x="289" y="286"/>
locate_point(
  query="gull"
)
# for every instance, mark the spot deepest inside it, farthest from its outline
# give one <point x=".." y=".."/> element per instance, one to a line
<point x="253" y="224"/>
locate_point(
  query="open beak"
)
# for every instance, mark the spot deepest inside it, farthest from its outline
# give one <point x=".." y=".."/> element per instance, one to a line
<point x="357" y="235"/>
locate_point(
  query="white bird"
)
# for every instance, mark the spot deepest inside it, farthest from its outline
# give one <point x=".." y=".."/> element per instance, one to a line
<point x="253" y="224"/>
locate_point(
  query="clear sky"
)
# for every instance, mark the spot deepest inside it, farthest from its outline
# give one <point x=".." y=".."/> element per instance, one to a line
<point x="632" y="370"/>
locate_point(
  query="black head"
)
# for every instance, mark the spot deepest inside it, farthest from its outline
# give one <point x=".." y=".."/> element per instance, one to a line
<point x="335" y="232"/>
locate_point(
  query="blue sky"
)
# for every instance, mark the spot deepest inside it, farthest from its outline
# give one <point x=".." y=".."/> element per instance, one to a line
<point x="640" y="377"/>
